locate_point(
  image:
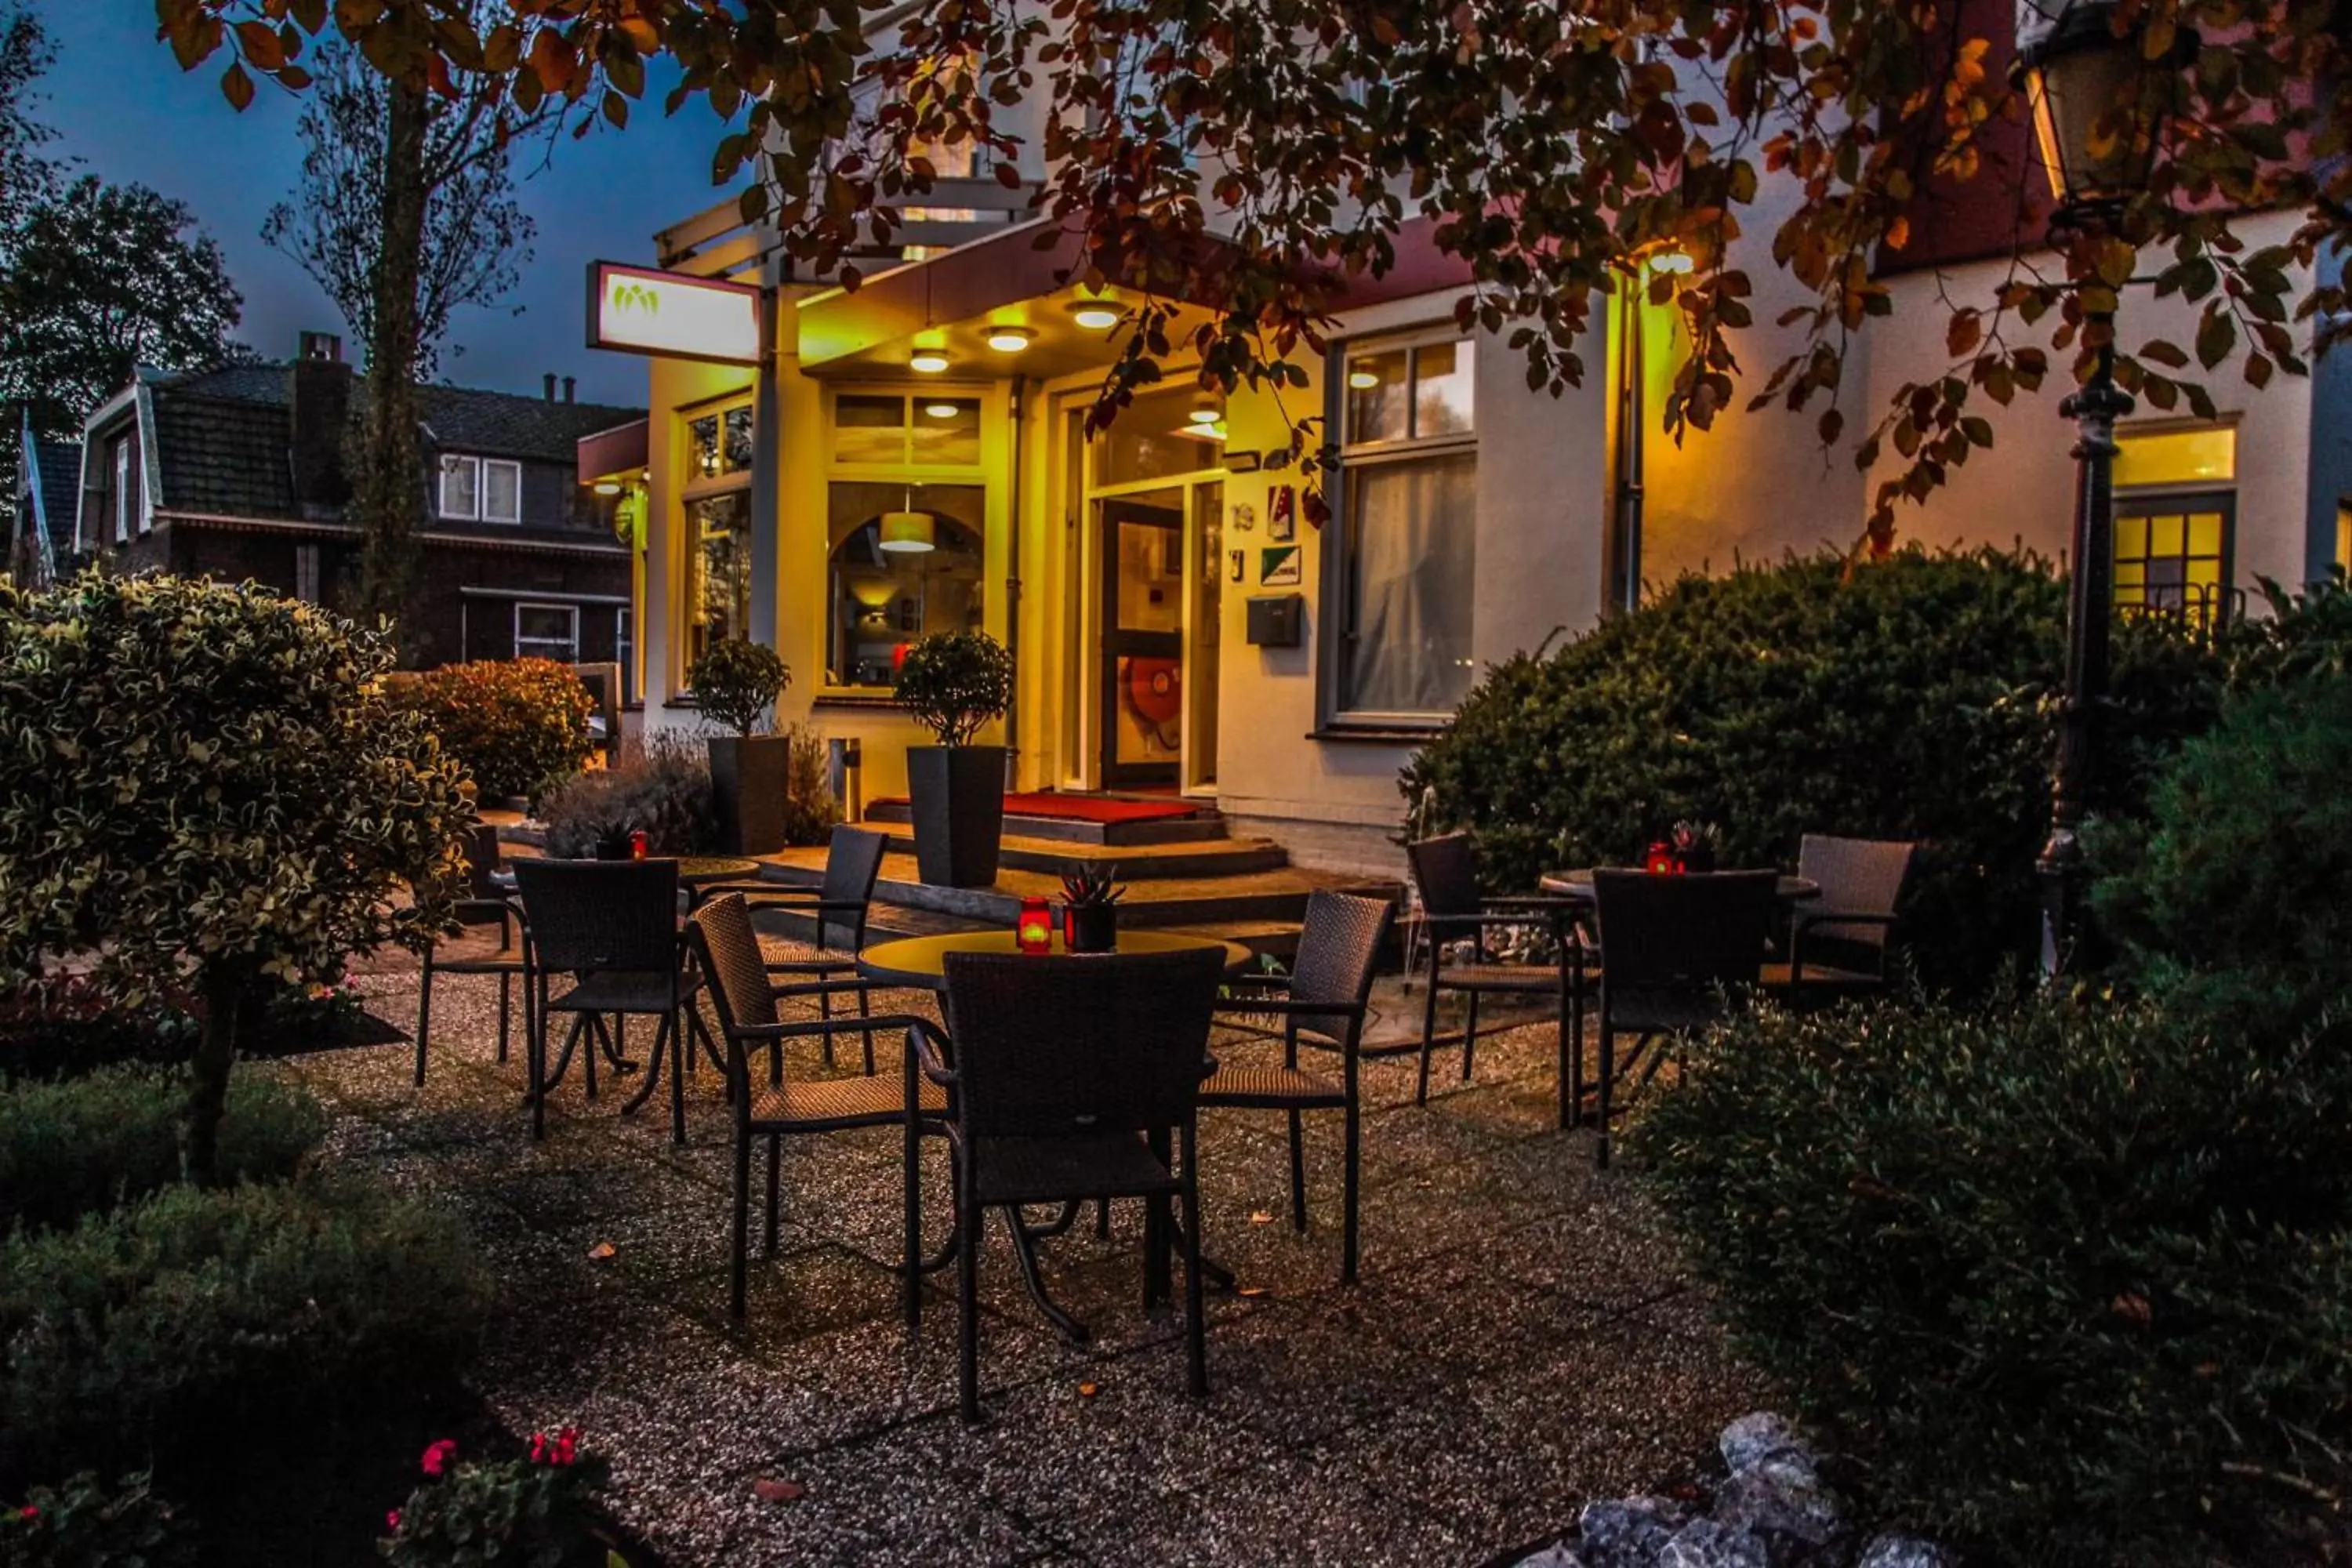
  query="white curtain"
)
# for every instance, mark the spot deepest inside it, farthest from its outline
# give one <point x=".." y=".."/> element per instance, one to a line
<point x="1413" y="534"/>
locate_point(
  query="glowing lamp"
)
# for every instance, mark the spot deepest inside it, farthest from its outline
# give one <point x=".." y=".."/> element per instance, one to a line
<point x="908" y="532"/>
<point x="1096" y="317"/>
<point x="1363" y="380"/>
<point x="2099" y="105"/>
<point x="930" y="362"/>
<point x="1661" y="861"/>
<point x="608" y="486"/>
<point x="1032" y="930"/>
<point x="1008" y="340"/>
<point x="942" y="410"/>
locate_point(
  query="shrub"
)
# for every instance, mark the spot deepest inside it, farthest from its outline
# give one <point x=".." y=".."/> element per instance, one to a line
<point x="737" y="682"/>
<point x="201" y="783"/>
<point x="2073" y="1286"/>
<point x="952" y="683"/>
<point x="82" y="1524"/>
<point x="178" y="1325"/>
<point x="1909" y="702"/>
<point x="810" y="810"/>
<point x="2231" y="893"/>
<point x="518" y="726"/>
<point x="664" y="791"/>
<point x="524" y="1512"/>
<point x="84" y="1144"/>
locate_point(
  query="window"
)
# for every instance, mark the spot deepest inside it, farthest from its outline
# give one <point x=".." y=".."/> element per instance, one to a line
<point x="2175" y="518"/>
<point x="481" y="489"/>
<point x="546" y="631"/>
<point x="718" y="570"/>
<point x="501" y="491"/>
<point x="880" y="600"/>
<point x="305" y="574"/>
<point x="891" y="429"/>
<point x="624" y="650"/>
<point x="461" y="488"/>
<point x="719" y="443"/>
<point x="1408" y="495"/>
<point x="123" y="490"/>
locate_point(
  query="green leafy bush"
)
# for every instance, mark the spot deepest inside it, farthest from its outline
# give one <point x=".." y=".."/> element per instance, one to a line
<point x="663" y="790"/>
<point x="80" y="1146"/>
<point x="518" y="726"/>
<point x="737" y="682"/>
<point x="532" y="1511"/>
<point x="177" y="1326"/>
<point x="2073" y="1286"/>
<point x="1909" y="702"/>
<point x="810" y="810"/>
<point x="85" y="1524"/>
<point x="952" y="683"/>
<point x="2232" y="892"/>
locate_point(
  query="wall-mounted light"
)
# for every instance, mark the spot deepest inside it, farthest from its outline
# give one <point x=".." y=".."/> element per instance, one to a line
<point x="1096" y="316"/>
<point x="1008" y="340"/>
<point x="908" y="532"/>
<point x="930" y="362"/>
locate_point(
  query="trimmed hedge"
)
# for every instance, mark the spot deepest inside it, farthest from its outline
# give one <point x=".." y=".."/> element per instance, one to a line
<point x="2073" y="1286"/>
<point x="519" y="725"/>
<point x="81" y="1146"/>
<point x="1909" y="701"/>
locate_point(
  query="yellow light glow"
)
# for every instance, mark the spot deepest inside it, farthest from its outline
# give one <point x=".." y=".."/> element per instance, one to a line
<point x="1206" y="414"/>
<point x="930" y="362"/>
<point x="942" y="410"/>
<point x="2177" y="457"/>
<point x="1097" y="317"/>
<point x="1363" y="380"/>
<point x="1008" y="340"/>
<point x="608" y="486"/>
<point x="1674" y="261"/>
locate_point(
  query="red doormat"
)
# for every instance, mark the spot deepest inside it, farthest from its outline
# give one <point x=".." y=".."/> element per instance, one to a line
<point x="1084" y="807"/>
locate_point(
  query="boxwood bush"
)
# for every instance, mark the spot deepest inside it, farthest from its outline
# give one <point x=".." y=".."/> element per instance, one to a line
<point x="80" y="1146"/>
<point x="519" y="725"/>
<point x="1908" y="701"/>
<point x="2073" y="1286"/>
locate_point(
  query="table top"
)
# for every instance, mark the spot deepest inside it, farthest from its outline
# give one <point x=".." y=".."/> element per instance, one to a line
<point x="692" y="869"/>
<point x="1578" y="884"/>
<point x="921" y="960"/>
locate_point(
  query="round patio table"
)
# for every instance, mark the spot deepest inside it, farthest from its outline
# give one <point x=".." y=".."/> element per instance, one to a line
<point x="1578" y="884"/>
<point x="695" y="873"/>
<point x="921" y="960"/>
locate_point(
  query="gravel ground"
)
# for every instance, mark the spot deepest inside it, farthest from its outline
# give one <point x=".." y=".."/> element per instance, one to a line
<point x="1520" y="1340"/>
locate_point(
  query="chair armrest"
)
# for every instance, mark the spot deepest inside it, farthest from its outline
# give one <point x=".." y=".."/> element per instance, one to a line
<point x="928" y="1060"/>
<point x="819" y="988"/>
<point x="801" y="1028"/>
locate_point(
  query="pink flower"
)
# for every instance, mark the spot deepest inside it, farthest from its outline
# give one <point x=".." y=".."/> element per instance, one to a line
<point x="28" y="1511"/>
<point x="392" y="1522"/>
<point x="437" y="1456"/>
<point x="539" y="1447"/>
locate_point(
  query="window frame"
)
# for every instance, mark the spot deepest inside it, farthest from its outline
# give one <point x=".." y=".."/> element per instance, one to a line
<point x="1336" y="576"/>
<point x="2215" y="494"/>
<point x="482" y="490"/>
<point x="572" y="611"/>
<point x="122" y="445"/>
<point x="450" y="463"/>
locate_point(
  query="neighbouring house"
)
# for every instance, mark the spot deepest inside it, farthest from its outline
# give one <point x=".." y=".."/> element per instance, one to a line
<point x="910" y="457"/>
<point x="239" y="473"/>
<point x="49" y="473"/>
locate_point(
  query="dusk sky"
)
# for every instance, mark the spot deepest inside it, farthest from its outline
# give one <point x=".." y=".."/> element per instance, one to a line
<point x="121" y="105"/>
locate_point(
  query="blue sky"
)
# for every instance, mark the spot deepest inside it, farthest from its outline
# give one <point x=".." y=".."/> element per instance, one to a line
<point x="121" y="105"/>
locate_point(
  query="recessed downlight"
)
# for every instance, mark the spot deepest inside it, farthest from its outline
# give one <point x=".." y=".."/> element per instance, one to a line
<point x="942" y="410"/>
<point x="608" y="486"/>
<point x="930" y="362"/>
<point x="1096" y="317"/>
<point x="1008" y="340"/>
<point x="1363" y="380"/>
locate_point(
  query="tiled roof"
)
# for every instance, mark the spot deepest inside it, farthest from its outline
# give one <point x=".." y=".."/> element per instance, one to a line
<point x="59" y="465"/>
<point x="224" y="456"/>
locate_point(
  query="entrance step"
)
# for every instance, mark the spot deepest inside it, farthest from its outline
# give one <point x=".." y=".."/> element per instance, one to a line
<point x="1203" y="825"/>
<point x="1136" y="862"/>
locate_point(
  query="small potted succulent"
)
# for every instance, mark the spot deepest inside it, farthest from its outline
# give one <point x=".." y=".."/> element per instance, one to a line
<point x="1090" y="896"/>
<point x="954" y="684"/>
<point x="737" y="684"/>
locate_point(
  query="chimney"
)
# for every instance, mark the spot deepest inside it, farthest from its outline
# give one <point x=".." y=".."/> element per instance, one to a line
<point x="568" y="384"/>
<point x="318" y="405"/>
<point x="547" y="385"/>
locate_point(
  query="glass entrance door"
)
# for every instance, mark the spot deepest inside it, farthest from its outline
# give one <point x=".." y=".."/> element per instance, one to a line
<point x="1142" y="716"/>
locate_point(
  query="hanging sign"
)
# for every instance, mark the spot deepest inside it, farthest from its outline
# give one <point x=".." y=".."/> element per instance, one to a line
<point x="638" y="310"/>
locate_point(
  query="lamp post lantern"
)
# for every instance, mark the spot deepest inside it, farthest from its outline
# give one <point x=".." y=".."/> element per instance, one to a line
<point x="2099" y="108"/>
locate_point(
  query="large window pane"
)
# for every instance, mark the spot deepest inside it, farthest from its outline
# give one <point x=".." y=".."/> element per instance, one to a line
<point x="869" y="429"/>
<point x="1156" y="438"/>
<point x="502" y="492"/>
<point x="460" y="494"/>
<point x="1441" y="390"/>
<point x="879" y="601"/>
<point x="947" y="430"/>
<point x="718" y="599"/>
<point x="1379" y="396"/>
<point x="1410" y="541"/>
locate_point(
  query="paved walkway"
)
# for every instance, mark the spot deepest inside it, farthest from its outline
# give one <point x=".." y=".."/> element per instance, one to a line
<point x="1520" y="1341"/>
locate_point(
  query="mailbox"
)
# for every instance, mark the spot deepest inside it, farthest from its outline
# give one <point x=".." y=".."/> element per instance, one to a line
<point x="1274" y="619"/>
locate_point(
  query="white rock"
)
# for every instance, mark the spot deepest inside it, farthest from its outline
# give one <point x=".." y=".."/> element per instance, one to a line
<point x="1779" y="1499"/>
<point x="1559" y="1555"/>
<point x="1710" y="1544"/>
<point x="1902" y="1552"/>
<point x="1628" y="1533"/>
<point x="1757" y="1436"/>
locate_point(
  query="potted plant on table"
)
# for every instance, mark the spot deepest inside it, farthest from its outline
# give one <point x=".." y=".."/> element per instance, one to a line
<point x="736" y="683"/>
<point x="953" y="684"/>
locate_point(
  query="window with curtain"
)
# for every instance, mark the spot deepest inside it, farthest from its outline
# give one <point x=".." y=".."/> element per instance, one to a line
<point x="2175" y="518"/>
<point x="1409" y="494"/>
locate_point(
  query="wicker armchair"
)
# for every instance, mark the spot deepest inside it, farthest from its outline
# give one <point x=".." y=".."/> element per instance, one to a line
<point x="1065" y="1081"/>
<point x="745" y="994"/>
<point x="1838" y="945"/>
<point x="612" y="927"/>
<point x="478" y="904"/>
<point x="1445" y="873"/>
<point x="853" y="863"/>
<point x="1321" y="1003"/>
<point x="1675" y="951"/>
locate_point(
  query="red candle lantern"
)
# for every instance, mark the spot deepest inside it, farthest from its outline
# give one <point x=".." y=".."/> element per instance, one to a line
<point x="1032" y="930"/>
<point x="637" y="845"/>
<point x="1660" y="861"/>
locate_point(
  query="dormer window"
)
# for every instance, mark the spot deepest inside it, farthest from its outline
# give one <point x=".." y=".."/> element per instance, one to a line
<point x="480" y="489"/>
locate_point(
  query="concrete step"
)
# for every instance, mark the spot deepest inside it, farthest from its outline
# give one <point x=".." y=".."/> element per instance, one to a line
<point x="1136" y="862"/>
<point x="1204" y="823"/>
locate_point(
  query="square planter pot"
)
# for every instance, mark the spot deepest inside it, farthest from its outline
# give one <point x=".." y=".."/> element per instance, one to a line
<point x="958" y="794"/>
<point x="751" y="778"/>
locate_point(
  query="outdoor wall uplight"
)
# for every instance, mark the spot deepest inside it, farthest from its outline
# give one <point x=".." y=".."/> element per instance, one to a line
<point x="930" y="362"/>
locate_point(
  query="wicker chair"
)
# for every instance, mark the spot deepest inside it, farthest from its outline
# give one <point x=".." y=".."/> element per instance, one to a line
<point x="1445" y="873"/>
<point x="745" y="997"/>
<point x="1837" y="946"/>
<point x="1064" y="1079"/>
<point x="1321" y="1003"/>
<point x="479" y="904"/>
<point x="1675" y="951"/>
<point x="853" y="863"/>
<point x="612" y="926"/>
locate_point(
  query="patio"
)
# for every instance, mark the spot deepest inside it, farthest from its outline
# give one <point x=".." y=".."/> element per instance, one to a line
<point x="1522" y="1339"/>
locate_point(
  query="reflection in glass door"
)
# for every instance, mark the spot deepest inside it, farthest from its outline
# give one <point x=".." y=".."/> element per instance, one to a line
<point x="1143" y="555"/>
<point x="1208" y="623"/>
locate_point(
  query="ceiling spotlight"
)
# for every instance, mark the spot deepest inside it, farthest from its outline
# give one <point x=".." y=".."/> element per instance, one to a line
<point x="1097" y="316"/>
<point x="942" y="410"/>
<point x="1008" y="340"/>
<point x="1205" y="414"/>
<point x="931" y="362"/>
<point x="1363" y="380"/>
<point x="608" y="486"/>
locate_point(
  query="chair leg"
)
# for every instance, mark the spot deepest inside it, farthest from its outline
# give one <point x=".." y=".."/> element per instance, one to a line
<point x="681" y="1053"/>
<point x="600" y="1038"/>
<point x="775" y="1190"/>
<point x="424" y="1015"/>
<point x="1102" y="1219"/>
<point x="740" y="1262"/>
<point x="866" y="1010"/>
<point x="825" y="1010"/>
<point x="910" y="1287"/>
<point x="535" y="1047"/>
<point x="1428" y="1026"/>
<point x="1608" y="1077"/>
<point x="1297" y="1176"/>
<point x="1572" y="1113"/>
<point x="1470" y="1036"/>
<point x="1351" y="1180"/>
<point x="1195" y="1329"/>
<point x="967" y="1301"/>
<point x="506" y="1012"/>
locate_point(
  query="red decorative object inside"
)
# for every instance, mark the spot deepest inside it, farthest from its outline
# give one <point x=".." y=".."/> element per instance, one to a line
<point x="1033" y="928"/>
<point x="1661" y="861"/>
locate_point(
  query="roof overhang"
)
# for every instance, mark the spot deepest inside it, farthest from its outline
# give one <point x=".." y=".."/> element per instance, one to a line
<point x="618" y="453"/>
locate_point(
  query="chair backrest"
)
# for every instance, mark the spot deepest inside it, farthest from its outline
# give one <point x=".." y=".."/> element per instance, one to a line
<point x="1056" y="1047"/>
<point x="729" y="951"/>
<point x="600" y="914"/>
<point x="481" y="860"/>
<point x="1862" y="875"/>
<point x="1445" y="870"/>
<point x="1337" y="948"/>
<point x="852" y="860"/>
<point x="1683" y="933"/>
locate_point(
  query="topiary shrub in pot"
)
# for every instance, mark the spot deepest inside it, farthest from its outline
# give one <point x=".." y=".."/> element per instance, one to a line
<point x="953" y="684"/>
<point x="736" y="683"/>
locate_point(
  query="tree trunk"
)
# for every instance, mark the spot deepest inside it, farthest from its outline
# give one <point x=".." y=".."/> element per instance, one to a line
<point x="388" y="466"/>
<point x="208" y="1080"/>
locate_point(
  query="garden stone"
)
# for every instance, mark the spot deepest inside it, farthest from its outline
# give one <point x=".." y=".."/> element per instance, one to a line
<point x="1628" y="1533"/>
<point x="1902" y="1552"/>
<point x="1780" y="1499"/>
<point x="1560" y="1554"/>
<point x="1758" y="1435"/>
<point x="1710" y="1544"/>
